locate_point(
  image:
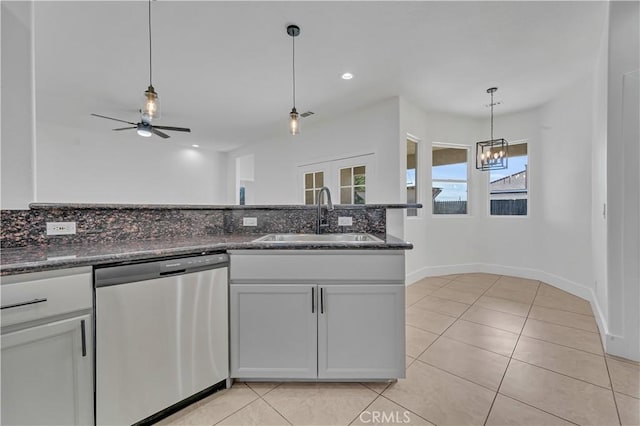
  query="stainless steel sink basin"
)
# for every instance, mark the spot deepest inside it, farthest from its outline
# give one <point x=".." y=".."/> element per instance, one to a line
<point x="319" y="238"/>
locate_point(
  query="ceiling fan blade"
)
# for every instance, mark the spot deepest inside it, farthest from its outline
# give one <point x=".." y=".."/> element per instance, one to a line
<point x="175" y="129"/>
<point x="126" y="128"/>
<point x="158" y="132"/>
<point x="111" y="118"/>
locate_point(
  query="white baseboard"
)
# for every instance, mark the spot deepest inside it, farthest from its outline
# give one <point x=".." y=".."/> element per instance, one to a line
<point x="433" y="271"/>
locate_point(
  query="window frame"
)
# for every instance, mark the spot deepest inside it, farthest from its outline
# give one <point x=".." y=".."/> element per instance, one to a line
<point x="419" y="172"/>
<point x="352" y="186"/>
<point x="315" y="188"/>
<point x="468" y="180"/>
<point x="488" y="195"/>
<point x="331" y="169"/>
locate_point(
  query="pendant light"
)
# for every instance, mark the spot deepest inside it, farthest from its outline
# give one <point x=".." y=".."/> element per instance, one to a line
<point x="492" y="154"/>
<point x="151" y="106"/>
<point x="294" y="128"/>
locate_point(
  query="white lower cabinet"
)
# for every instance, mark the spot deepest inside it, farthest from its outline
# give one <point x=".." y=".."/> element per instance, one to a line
<point x="47" y="374"/>
<point x="47" y="355"/>
<point x="361" y="332"/>
<point x="308" y="331"/>
<point x="317" y="315"/>
<point x="273" y="331"/>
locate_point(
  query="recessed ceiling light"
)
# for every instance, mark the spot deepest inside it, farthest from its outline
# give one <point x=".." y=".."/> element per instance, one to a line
<point x="195" y="146"/>
<point x="347" y="76"/>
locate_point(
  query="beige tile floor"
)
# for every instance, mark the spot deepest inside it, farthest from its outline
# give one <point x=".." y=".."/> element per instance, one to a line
<point x="482" y="349"/>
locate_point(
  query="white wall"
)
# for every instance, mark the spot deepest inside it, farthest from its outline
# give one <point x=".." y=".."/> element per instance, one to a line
<point x="553" y="243"/>
<point x="599" y="179"/>
<point x="17" y="106"/>
<point x="44" y="162"/>
<point x="372" y="129"/>
<point x="442" y="244"/>
<point x="623" y="180"/>
<point x="99" y="167"/>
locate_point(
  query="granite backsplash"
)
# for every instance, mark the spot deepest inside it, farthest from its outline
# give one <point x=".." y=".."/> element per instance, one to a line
<point x="104" y="224"/>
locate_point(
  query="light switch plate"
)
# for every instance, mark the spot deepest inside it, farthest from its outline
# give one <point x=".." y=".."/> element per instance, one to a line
<point x="345" y="221"/>
<point x="249" y="221"/>
<point x="61" y="228"/>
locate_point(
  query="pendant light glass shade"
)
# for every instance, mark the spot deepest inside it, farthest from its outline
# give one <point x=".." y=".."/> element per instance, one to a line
<point x="492" y="154"/>
<point x="294" y="125"/>
<point x="151" y="106"/>
<point x="293" y="122"/>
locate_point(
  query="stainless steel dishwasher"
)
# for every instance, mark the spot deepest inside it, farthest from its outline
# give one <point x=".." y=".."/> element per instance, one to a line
<point x="161" y="336"/>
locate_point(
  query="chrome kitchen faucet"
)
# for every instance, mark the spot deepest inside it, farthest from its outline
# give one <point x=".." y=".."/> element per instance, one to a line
<point x="320" y="223"/>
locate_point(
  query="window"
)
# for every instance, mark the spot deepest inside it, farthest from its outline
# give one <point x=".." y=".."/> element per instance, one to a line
<point x="449" y="180"/>
<point x="313" y="181"/>
<point x="353" y="185"/>
<point x="412" y="175"/>
<point x="509" y="188"/>
<point x="349" y="179"/>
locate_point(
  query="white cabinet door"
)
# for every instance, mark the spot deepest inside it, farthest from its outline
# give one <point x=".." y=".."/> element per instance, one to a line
<point x="361" y="332"/>
<point x="273" y="331"/>
<point x="47" y="374"/>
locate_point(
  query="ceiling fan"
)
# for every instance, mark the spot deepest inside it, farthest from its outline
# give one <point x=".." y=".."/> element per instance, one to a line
<point x="145" y="128"/>
<point x="150" y="109"/>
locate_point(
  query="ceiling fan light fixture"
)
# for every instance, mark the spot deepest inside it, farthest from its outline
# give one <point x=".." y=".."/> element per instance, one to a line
<point x="144" y="130"/>
<point x="151" y="107"/>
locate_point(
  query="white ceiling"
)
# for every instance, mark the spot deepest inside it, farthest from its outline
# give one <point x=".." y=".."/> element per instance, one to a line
<point x="224" y="68"/>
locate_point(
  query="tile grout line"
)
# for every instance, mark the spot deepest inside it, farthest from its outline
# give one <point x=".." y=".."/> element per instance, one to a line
<point x="564" y="346"/>
<point x="244" y="406"/>
<point x="508" y="331"/>
<point x="562" y="374"/>
<point x="613" y="392"/>
<point x="460" y="377"/>
<point x="538" y="408"/>
<point x="451" y="325"/>
<point x="509" y="362"/>
<point x="524" y="362"/>
<point x="564" y="325"/>
<point x="400" y="405"/>
<point x="624" y="360"/>
<point x="274" y="408"/>
<point x="364" y="409"/>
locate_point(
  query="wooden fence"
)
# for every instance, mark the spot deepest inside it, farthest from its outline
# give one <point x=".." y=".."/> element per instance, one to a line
<point x="498" y="207"/>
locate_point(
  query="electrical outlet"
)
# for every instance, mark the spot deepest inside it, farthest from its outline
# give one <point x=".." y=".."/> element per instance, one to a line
<point x="249" y="221"/>
<point x="61" y="228"/>
<point x="345" y="221"/>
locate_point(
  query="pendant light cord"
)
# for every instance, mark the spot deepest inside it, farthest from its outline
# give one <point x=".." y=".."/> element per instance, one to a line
<point x="150" y="68"/>
<point x="294" y="70"/>
<point x="491" y="115"/>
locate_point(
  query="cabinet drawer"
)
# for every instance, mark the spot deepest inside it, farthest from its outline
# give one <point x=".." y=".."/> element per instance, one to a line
<point x="29" y="297"/>
<point x="318" y="265"/>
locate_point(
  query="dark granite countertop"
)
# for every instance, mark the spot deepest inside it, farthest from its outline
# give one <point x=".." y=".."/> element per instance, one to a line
<point x="44" y="206"/>
<point x="40" y="258"/>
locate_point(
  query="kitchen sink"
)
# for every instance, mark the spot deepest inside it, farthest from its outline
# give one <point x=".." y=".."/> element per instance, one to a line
<point x="355" y="238"/>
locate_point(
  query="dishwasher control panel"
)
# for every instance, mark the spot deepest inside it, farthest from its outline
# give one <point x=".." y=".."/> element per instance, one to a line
<point x="121" y="274"/>
<point x="187" y="263"/>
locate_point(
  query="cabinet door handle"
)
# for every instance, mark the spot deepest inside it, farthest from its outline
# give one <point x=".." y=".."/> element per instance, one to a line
<point x="30" y="302"/>
<point x="313" y="300"/>
<point x="321" y="300"/>
<point x="84" y="339"/>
